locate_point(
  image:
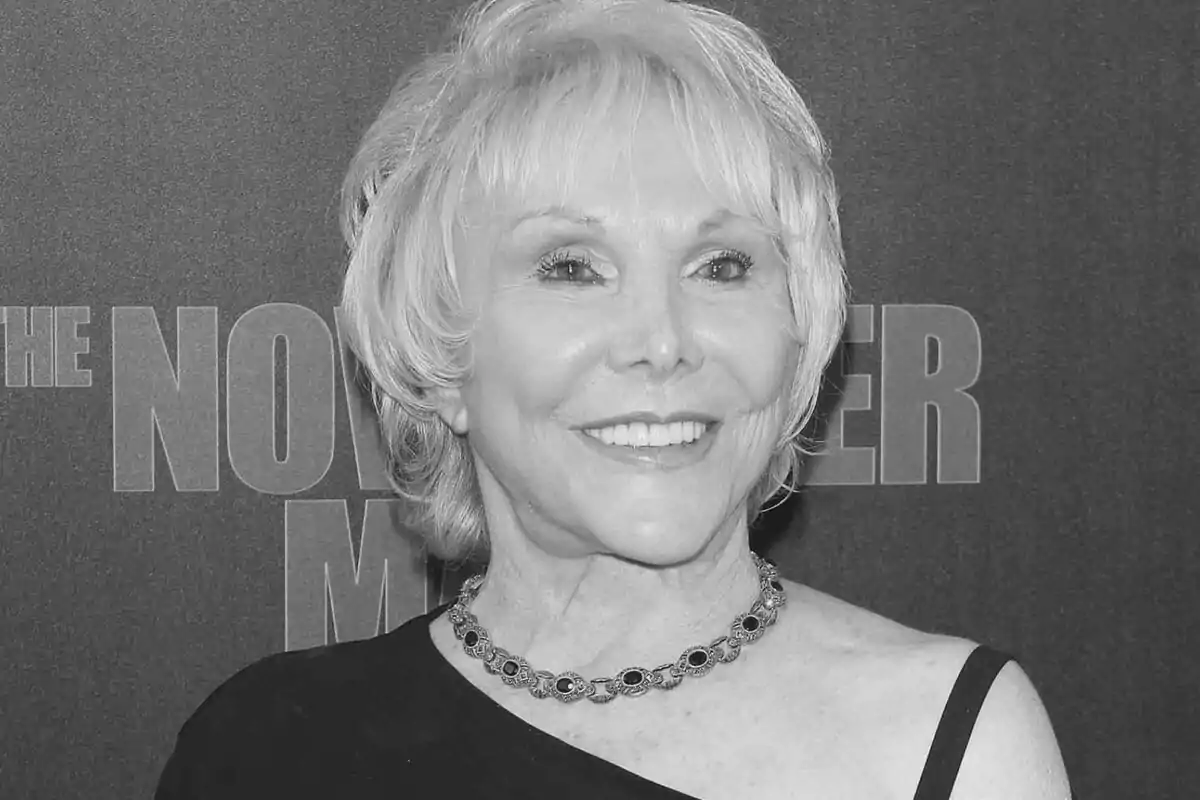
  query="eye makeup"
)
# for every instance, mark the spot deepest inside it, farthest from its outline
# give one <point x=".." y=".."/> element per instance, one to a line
<point x="562" y="265"/>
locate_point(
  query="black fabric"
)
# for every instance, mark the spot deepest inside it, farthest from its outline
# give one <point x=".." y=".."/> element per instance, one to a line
<point x="958" y="720"/>
<point x="389" y="717"/>
<point x="385" y="717"/>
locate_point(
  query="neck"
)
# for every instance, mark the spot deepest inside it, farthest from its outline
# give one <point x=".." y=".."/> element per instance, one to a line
<point x="597" y="613"/>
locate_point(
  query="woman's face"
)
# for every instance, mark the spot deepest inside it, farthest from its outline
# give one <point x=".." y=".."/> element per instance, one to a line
<point x="638" y="296"/>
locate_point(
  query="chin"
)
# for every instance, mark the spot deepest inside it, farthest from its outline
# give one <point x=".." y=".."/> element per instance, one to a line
<point x="664" y="543"/>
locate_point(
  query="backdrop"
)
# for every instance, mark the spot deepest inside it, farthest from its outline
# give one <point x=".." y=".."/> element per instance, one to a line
<point x="187" y="486"/>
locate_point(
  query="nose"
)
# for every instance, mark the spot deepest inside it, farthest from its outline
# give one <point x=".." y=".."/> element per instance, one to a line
<point x="655" y="332"/>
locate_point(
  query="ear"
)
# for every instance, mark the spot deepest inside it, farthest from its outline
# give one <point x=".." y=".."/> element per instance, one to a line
<point x="451" y="408"/>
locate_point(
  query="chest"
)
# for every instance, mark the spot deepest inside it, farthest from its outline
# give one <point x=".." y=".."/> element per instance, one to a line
<point x="713" y="751"/>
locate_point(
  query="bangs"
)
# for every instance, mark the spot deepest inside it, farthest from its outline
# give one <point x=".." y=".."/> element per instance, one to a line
<point x="543" y="123"/>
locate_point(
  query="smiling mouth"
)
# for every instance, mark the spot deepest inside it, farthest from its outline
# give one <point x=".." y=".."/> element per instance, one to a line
<point x="639" y="435"/>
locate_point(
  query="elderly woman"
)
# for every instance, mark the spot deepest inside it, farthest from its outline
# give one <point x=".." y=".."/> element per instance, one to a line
<point x="595" y="279"/>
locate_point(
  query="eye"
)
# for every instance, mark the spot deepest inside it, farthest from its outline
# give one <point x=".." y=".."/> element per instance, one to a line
<point x="563" y="267"/>
<point x="726" y="266"/>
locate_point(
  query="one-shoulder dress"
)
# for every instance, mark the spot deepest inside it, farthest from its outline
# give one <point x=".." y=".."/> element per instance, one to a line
<point x="388" y="717"/>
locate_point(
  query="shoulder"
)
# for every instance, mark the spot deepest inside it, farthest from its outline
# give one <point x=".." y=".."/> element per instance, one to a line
<point x="287" y="717"/>
<point x="840" y="631"/>
<point x="896" y="680"/>
<point x="285" y="688"/>
<point x="870" y="661"/>
<point x="1012" y="751"/>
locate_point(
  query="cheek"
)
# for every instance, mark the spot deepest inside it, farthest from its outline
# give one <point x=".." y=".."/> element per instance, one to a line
<point x="527" y="354"/>
<point x="758" y="350"/>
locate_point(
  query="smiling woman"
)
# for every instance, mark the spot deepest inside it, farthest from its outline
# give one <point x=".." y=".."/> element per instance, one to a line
<point x="526" y="99"/>
<point x="652" y="303"/>
<point x="595" y="278"/>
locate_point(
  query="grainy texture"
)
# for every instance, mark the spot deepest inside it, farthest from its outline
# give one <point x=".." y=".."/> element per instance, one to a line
<point x="1032" y="163"/>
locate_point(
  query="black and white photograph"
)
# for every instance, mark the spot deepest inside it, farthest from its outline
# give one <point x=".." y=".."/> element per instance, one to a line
<point x="600" y="400"/>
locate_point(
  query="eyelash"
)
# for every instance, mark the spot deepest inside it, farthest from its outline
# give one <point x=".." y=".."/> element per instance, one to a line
<point x="558" y="258"/>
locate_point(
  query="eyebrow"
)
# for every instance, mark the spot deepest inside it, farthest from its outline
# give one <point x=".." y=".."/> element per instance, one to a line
<point x="710" y="223"/>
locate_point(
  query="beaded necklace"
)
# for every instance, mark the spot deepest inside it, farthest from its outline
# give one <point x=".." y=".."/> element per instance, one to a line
<point x="569" y="687"/>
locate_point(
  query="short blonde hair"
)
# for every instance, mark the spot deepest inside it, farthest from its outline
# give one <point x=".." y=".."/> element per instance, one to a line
<point x="480" y="109"/>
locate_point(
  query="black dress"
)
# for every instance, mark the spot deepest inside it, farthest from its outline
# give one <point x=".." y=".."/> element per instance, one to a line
<point x="388" y="717"/>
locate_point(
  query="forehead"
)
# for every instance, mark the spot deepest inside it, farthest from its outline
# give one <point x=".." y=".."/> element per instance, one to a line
<point x="623" y="161"/>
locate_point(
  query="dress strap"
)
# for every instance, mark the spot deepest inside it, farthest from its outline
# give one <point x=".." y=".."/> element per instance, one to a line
<point x="957" y="722"/>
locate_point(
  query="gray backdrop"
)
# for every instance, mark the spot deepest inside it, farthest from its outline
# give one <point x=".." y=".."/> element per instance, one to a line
<point x="1019" y="202"/>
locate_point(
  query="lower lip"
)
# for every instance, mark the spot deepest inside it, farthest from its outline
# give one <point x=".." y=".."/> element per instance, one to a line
<point x="672" y="456"/>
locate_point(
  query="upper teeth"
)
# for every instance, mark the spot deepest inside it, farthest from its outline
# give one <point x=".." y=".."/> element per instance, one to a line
<point x="641" y="434"/>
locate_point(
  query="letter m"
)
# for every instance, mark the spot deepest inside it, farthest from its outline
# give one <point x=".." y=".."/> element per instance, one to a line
<point x="324" y="582"/>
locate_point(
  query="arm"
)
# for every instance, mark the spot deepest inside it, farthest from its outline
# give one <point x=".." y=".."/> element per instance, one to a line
<point x="232" y="742"/>
<point x="208" y="763"/>
<point x="175" y="783"/>
<point x="1012" y="754"/>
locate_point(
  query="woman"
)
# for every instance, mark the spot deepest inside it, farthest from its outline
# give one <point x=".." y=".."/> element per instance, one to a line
<point x="595" y="279"/>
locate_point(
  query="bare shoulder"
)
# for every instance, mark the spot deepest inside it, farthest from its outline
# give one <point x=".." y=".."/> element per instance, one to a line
<point x="840" y="630"/>
<point x="866" y="656"/>
<point x="1012" y="751"/>
<point x="887" y="685"/>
